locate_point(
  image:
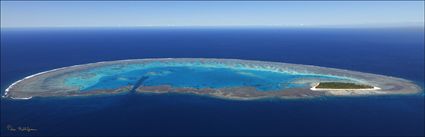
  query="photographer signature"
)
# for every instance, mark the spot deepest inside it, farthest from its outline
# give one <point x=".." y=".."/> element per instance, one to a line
<point x="20" y="128"/>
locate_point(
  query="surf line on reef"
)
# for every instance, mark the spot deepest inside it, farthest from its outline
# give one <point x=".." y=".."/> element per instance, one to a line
<point x="138" y="83"/>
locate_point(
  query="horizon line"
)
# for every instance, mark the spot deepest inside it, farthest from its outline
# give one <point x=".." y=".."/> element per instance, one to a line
<point x="378" y="25"/>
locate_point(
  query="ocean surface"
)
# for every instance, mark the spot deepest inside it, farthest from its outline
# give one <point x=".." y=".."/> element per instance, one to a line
<point x="397" y="52"/>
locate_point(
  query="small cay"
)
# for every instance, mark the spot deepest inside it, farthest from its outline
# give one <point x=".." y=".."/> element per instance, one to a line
<point x="342" y="85"/>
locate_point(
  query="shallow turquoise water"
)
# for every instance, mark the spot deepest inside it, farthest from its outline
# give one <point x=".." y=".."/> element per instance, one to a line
<point x="193" y="76"/>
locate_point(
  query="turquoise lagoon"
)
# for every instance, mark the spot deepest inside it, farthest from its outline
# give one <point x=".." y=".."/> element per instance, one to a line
<point x="190" y="75"/>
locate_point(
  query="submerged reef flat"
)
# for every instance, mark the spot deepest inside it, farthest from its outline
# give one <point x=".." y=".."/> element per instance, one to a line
<point x="223" y="78"/>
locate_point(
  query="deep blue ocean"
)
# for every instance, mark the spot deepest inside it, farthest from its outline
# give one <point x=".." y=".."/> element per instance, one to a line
<point x="395" y="52"/>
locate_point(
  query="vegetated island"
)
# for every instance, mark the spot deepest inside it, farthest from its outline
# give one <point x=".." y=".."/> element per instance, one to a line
<point x="342" y="85"/>
<point x="222" y="78"/>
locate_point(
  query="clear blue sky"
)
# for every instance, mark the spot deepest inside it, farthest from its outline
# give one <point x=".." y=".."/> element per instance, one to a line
<point x="208" y="13"/>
